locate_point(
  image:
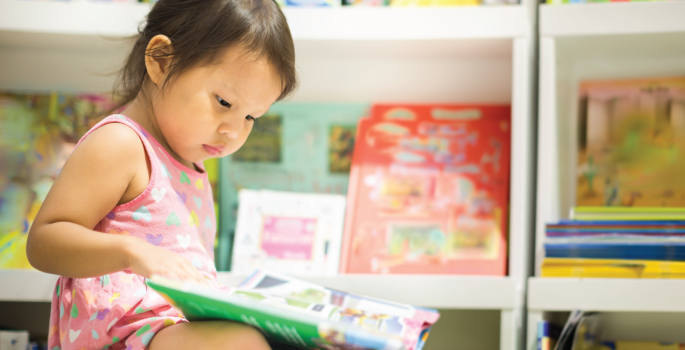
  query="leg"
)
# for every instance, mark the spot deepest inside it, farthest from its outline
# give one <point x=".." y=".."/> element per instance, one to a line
<point x="209" y="335"/>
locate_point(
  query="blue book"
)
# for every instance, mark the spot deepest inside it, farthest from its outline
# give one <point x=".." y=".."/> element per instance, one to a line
<point x="621" y="223"/>
<point x="548" y="334"/>
<point x="672" y="251"/>
<point x="570" y="228"/>
<point x="642" y="231"/>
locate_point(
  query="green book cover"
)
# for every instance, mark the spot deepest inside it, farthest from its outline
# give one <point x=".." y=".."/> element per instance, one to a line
<point x="628" y="213"/>
<point x="631" y="210"/>
<point x="301" y="315"/>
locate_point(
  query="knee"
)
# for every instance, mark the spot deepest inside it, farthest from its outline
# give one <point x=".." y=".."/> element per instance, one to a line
<point x="243" y="337"/>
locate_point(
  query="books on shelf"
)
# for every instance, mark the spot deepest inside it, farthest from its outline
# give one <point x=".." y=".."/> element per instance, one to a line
<point x="302" y="315"/>
<point x="571" y="228"/>
<point x="630" y="198"/>
<point x="628" y="250"/>
<point x="548" y="334"/>
<point x="287" y="232"/>
<point x="631" y="144"/>
<point x="611" y="268"/>
<point x="429" y="190"/>
<point x="600" y="213"/>
<point x="295" y="147"/>
<point x="37" y="134"/>
<point x="615" y="249"/>
<point x="584" y="331"/>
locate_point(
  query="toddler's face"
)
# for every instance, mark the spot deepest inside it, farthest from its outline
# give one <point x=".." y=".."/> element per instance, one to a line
<point x="209" y="111"/>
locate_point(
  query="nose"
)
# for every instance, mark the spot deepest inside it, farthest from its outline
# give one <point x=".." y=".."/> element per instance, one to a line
<point x="230" y="128"/>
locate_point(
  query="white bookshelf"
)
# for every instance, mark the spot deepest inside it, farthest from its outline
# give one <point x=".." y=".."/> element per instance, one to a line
<point x="347" y="23"/>
<point x="594" y="41"/>
<point x="605" y="294"/>
<point x="422" y="55"/>
<point x="435" y="291"/>
<point x="643" y="310"/>
<point x="611" y="18"/>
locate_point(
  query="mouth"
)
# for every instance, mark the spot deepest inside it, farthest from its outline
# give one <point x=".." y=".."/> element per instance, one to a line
<point x="213" y="150"/>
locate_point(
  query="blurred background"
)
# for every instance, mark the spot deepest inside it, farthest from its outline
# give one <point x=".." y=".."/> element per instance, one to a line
<point x="506" y="162"/>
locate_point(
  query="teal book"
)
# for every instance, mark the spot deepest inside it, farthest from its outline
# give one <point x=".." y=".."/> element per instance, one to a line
<point x="295" y="147"/>
<point x="294" y="314"/>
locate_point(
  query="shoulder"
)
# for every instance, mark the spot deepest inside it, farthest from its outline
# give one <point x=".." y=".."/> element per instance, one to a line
<point x="114" y="144"/>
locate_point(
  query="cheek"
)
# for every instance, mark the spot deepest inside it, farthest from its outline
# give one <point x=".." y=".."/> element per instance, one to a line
<point x="183" y="121"/>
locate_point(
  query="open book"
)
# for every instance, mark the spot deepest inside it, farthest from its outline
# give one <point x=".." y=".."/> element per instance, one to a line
<point x="295" y="314"/>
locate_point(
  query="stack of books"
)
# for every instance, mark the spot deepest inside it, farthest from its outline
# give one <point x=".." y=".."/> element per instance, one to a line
<point x="617" y="242"/>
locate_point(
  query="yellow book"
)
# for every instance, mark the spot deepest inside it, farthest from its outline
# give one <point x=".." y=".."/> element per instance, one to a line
<point x="611" y="268"/>
<point x="641" y="345"/>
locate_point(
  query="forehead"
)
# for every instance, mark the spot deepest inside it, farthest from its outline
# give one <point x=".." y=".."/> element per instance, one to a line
<point x="237" y="62"/>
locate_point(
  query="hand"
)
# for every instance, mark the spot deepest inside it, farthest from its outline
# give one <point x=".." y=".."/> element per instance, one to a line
<point x="147" y="260"/>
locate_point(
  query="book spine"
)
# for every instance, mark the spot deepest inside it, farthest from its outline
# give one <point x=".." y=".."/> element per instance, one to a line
<point x="628" y="210"/>
<point x="630" y="251"/>
<point x="610" y="223"/>
<point x="541" y="334"/>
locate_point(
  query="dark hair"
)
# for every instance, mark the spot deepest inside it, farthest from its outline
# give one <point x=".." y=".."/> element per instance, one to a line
<point x="200" y="30"/>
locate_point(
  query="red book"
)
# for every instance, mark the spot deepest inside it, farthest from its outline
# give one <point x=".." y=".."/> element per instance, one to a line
<point x="429" y="191"/>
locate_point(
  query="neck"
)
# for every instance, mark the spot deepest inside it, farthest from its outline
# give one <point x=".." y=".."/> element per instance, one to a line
<point x="140" y="110"/>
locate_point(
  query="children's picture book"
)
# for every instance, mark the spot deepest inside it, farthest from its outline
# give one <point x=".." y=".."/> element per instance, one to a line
<point x="38" y="132"/>
<point x="296" y="314"/>
<point x="294" y="233"/>
<point x="264" y="143"/>
<point x="341" y="147"/>
<point x="302" y="147"/>
<point x="631" y="143"/>
<point x="429" y="191"/>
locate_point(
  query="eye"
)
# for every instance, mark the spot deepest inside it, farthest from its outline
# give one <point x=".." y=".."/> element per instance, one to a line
<point x="249" y="117"/>
<point x="223" y="102"/>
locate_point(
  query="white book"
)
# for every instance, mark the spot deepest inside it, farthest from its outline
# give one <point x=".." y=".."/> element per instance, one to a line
<point x="294" y="233"/>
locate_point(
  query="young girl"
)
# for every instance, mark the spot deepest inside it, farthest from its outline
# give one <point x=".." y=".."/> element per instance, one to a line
<point x="133" y="200"/>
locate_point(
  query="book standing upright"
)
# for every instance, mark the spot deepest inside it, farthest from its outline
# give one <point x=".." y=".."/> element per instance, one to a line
<point x="429" y="189"/>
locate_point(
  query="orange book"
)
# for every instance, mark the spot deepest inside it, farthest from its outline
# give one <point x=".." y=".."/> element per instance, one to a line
<point x="429" y="191"/>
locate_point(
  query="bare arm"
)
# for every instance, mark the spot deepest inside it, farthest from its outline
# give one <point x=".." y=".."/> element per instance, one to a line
<point x="108" y="168"/>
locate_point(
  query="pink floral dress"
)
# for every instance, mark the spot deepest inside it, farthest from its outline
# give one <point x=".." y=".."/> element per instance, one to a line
<point x="118" y="311"/>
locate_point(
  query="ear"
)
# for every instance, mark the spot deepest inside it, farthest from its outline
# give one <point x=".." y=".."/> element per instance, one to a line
<point x="158" y="57"/>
